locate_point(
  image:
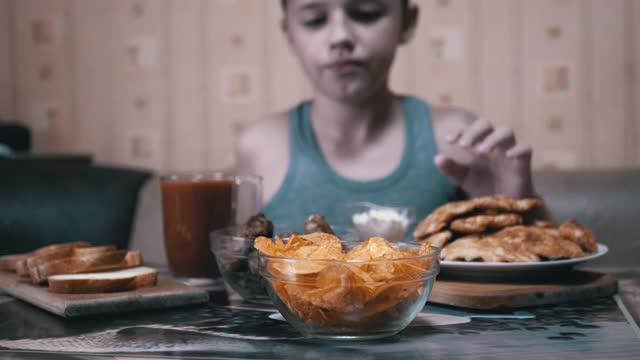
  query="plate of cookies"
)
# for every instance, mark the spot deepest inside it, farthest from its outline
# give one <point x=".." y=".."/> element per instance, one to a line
<point x="498" y="236"/>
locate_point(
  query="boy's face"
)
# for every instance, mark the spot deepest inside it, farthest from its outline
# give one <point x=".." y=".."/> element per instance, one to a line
<point x="346" y="47"/>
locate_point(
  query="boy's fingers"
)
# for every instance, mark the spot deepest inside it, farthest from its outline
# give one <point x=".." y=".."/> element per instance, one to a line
<point x="453" y="137"/>
<point x="501" y="138"/>
<point x="475" y="133"/>
<point x="523" y="151"/>
<point x="454" y="171"/>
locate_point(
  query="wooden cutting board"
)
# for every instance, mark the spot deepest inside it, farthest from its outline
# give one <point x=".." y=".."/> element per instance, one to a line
<point x="576" y="285"/>
<point x="167" y="293"/>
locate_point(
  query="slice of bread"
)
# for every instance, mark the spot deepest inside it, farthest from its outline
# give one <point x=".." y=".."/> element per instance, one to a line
<point x="45" y="250"/>
<point x="82" y="251"/>
<point x="103" y="261"/>
<point x="103" y="282"/>
<point x="10" y="262"/>
<point x="45" y="254"/>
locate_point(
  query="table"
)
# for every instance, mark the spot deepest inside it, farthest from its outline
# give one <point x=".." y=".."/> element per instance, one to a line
<point x="596" y="329"/>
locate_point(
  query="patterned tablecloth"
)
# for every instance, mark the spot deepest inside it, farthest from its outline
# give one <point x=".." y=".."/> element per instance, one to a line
<point x="598" y="329"/>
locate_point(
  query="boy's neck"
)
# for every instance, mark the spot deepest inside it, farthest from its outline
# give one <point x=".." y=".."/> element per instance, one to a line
<point x="347" y="127"/>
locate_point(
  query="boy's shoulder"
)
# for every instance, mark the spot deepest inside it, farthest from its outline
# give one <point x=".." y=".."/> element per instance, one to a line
<point x="264" y="146"/>
<point x="263" y="149"/>
<point x="271" y="127"/>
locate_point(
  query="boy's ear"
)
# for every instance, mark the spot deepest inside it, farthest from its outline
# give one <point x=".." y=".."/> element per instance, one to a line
<point x="410" y="22"/>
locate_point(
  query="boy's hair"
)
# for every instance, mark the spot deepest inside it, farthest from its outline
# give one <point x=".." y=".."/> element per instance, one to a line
<point x="405" y="4"/>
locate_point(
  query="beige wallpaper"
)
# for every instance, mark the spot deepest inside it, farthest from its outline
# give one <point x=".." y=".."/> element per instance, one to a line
<point x="168" y="84"/>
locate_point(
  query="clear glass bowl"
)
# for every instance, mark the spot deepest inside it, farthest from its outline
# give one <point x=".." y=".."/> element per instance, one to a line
<point x="350" y="299"/>
<point x="237" y="259"/>
<point x="389" y="222"/>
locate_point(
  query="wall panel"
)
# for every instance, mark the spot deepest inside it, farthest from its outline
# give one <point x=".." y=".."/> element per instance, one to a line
<point x="168" y="84"/>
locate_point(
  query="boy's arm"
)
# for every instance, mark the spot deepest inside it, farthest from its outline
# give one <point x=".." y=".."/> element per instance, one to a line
<point x="264" y="150"/>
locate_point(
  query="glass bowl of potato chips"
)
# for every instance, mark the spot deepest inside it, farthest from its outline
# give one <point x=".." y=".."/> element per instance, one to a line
<point x="329" y="288"/>
<point x="237" y="259"/>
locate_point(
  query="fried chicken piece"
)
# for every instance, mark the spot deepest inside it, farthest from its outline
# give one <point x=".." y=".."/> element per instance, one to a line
<point x="438" y="239"/>
<point x="257" y="225"/>
<point x="317" y="223"/>
<point x="478" y="248"/>
<point x="543" y="224"/>
<point x="580" y="235"/>
<point x="480" y="223"/>
<point x="544" y="243"/>
<point x="512" y="244"/>
<point x="441" y="217"/>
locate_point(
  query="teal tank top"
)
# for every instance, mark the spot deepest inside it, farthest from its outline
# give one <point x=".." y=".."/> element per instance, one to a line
<point x="311" y="186"/>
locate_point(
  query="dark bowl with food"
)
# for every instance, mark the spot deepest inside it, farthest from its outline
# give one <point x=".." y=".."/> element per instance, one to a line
<point x="237" y="259"/>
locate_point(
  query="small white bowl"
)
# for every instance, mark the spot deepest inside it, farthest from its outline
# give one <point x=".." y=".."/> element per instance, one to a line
<point x="389" y="222"/>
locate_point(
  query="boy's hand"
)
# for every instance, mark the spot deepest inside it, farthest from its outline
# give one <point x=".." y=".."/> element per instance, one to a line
<point x="497" y="164"/>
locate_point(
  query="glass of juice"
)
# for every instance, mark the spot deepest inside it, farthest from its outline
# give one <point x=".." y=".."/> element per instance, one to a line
<point x="193" y="205"/>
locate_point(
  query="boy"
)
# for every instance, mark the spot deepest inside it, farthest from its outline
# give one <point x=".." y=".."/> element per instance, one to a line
<point x="356" y="140"/>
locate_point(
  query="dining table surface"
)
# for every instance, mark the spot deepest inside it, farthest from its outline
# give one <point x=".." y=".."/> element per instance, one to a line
<point x="227" y="328"/>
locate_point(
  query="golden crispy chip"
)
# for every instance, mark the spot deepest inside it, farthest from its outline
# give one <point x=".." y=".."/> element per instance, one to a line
<point x="580" y="235"/>
<point x="372" y="248"/>
<point x="426" y="249"/>
<point x="293" y="245"/>
<point x="279" y="243"/>
<point x="338" y="289"/>
<point x="265" y="246"/>
<point x="328" y="246"/>
<point x="480" y="223"/>
<point x="310" y="246"/>
<point x="402" y="255"/>
<point x="322" y="238"/>
<point x="362" y="276"/>
<point x="294" y="296"/>
<point x="404" y="265"/>
<point x="294" y="268"/>
<point x="401" y="288"/>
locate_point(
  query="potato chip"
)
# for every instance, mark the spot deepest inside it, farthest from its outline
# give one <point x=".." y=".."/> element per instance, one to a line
<point x="294" y="295"/>
<point x="265" y="246"/>
<point x="425" y="249"/>
<point x="279" y="242"/>
<point x="323" y="238"/>
<point x="328" y="246"/>
<point x="294" y="269"/>
<point x="293" y="245"/>
<point x="372" y="248"/>
<point x="372" y="286"/>
<point x="400" y="288"/>
<point x="338" y="289"/>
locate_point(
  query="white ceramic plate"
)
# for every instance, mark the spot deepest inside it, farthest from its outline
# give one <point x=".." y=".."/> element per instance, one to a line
<point x="515" y="270"/>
